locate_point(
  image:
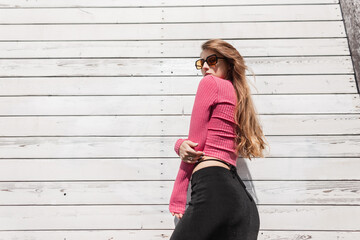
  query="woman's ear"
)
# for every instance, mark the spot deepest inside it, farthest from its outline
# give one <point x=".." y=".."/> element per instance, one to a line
<point x="229" y="68"/>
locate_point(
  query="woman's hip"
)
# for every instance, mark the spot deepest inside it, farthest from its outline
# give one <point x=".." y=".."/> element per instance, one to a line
<point x="218" y="185"/>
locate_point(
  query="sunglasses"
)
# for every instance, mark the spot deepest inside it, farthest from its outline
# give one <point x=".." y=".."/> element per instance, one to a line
<point x="211" y="60"/>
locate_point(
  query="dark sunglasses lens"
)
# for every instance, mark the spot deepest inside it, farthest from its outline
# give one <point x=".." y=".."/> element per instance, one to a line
<point x="212" y="60"/>
<point x="199" y="63"/>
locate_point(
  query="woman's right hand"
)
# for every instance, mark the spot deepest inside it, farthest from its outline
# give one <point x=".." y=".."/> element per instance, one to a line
<point x="178" y="215"/>
<point x="188" y="154"/>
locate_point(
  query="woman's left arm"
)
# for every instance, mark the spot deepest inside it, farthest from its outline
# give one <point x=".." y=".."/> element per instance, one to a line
<point x="205" y="99"/>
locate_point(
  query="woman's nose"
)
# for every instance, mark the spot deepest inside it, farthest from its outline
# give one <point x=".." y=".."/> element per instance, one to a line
<point x="205" y="66"/>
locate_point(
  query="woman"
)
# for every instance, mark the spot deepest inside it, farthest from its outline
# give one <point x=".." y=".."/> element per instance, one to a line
<point x="223" y="125"/>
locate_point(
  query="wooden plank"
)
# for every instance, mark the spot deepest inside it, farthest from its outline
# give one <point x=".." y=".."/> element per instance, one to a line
<point x="165" y="105"/>
<point x="158" y="192"/>
<point x="158" y="216"/>
<point x="301" y="84"/>
<point x="169" y="125"/>
<point x="176" y="31"/>
<point x="147" y="3"/>
<point x="253" y="13"/>
<point x="136" y="169"/>
<point x="189" y="48"/>
<point x="162" y="85"/>
<point x="264" y="47"/>
<point x="168" y="67"/>
<point x="161" y="234"/>
<point x="171" y="15"/>
<point x="123" y="147"/>
<point x="314" y="235"/>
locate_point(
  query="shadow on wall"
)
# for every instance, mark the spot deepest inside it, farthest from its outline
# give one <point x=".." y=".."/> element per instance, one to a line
<point x="351" y="10"/>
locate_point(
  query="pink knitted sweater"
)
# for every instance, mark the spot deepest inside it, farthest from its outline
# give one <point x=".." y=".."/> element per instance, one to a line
<point x="212" y="126"/>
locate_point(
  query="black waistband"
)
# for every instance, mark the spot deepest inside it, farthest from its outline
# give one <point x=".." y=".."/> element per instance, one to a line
<point x="213" y="159"/>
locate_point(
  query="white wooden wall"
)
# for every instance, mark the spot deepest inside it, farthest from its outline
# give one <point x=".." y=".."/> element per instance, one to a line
<point x="94" y="93"/>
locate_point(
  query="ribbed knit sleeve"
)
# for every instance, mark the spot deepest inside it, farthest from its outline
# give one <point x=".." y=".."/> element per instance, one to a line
<point x="205" y="99"/>
<point x="177" y="145"/>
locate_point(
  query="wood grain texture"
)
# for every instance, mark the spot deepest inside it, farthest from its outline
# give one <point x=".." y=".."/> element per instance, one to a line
<point x="156" y="192"/>
<point x="131" y="217"/>
<point x="169" y="49"/>
<point x="147" y="3"/>
<point x="165" y="234"/>
<point x="165" y="168"/>
<point x="169" y="67"/>
<point x="171" y="15"/>
<point x="114" y="147"/>
<point x="165" y="105"/>
<point x="175" y="125"/>
<point x="170" y="85"/>
<point x="177" y="31"/>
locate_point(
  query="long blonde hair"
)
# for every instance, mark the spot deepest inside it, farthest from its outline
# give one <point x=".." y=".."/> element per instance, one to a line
<point x="249" y="140"/>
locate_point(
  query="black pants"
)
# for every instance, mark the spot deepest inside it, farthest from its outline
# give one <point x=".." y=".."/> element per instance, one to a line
<point x="220" y="208"/>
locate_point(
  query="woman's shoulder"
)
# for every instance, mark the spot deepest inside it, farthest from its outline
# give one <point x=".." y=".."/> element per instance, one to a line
<point x="209" y="81"/>
<point x="222" y="83"/>
<point x="218" y="80"/>
<point x="225" y="88"/>
<point x="208" y="78"/>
